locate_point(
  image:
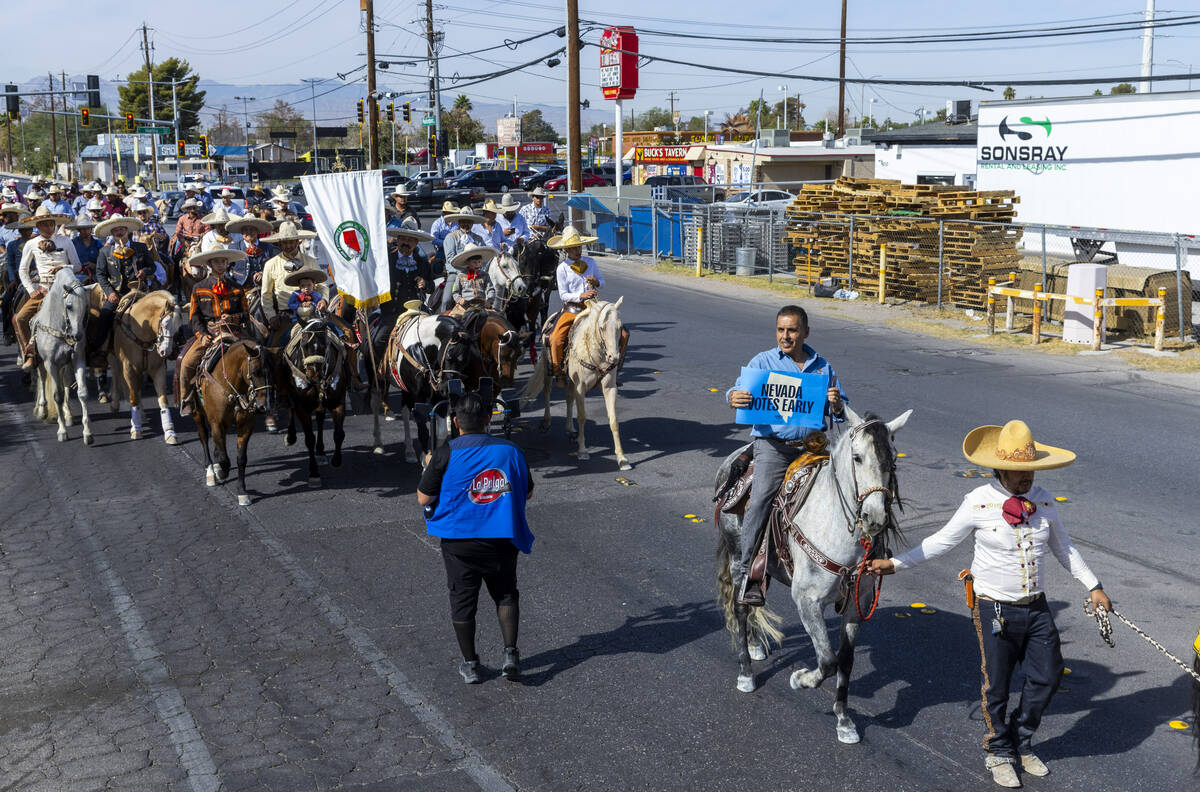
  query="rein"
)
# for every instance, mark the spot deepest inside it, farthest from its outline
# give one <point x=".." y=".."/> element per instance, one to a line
<point x="1105" y="627"/>
<point x="609" y="364"/>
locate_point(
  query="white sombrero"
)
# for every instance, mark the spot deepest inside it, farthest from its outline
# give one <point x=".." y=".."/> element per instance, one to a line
<point x="470" y="251"/>
<point x="216" y="217"/>
<point x="203" y="259"/>
<point x="314" y="274"/>
<point x="287" y="231"/>
<point x="43" y="213"/>
<point x="240" y="224"/>
<point x="570" y="237"/>
<point x="106" y="228"/>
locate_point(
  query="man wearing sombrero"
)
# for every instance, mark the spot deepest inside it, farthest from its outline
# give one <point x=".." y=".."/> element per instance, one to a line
<point x="218" y="235"/>
<point x="579" y="280"/>
<point x="189" y="227"/>
<point x="249" y="271"/>
<point x="489" y="230"/>
<point x="218" y="303"/>
<point x="1015" y="525"/>
<point x="511" y="221"/>
<point x="536" y="214"/>
<point x="456" y="242"/>
<point x="275" y="291"/>
<point x="48" y="251"/>
<point x="442" y="227"/>
<point x="87" y="247"/>
<point x="411" y="276"/>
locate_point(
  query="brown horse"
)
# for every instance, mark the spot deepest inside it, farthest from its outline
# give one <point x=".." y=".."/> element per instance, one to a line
<point x="500" y="349"/>
<point x="238" y="388"/>
<point x="143" y="340"/>
<point x="315" y="371"/>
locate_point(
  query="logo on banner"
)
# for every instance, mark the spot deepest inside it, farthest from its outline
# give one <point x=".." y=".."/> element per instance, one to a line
<point x="1034" y="157"/>
<point x="488" y="486"/>
<point x="352" y="241"/>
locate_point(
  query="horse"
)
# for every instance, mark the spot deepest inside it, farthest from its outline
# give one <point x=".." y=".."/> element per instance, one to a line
<point x="316" y="383"/>
<point x="500" y="349"/>
<point x="238" y="388"/>
<point x="145" y="337"/>
<point x="594" y="353"/>
<point x="422" y="356"/>
<point x="847" y="516"/>
<point x="59" y="334"/>
<point x="539" y="265"/>
<point x="506" y="276"/>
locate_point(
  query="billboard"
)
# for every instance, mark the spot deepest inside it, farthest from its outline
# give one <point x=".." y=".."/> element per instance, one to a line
<point x="618" y="63"/>
<point x="508" y="130"/>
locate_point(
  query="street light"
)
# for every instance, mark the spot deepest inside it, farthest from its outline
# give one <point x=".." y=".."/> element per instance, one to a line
<point x="246" y="115"/>
<point x="862" y="92"/>
<point x="871" y="113"/>
<point x="1189" y="70"/>
<point x="707" y="113"/>
<point x="784" y="90"/>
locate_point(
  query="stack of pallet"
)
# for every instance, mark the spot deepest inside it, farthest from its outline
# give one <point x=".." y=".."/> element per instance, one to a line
<point x="977" y="239"/>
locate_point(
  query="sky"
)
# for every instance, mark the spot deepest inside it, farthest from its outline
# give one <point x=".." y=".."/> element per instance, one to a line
<point x="271" y="42"/>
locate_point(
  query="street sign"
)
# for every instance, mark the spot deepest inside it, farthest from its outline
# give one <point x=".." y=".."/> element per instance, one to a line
<point x="428" y="121"/>
<point x="154" y="130"/>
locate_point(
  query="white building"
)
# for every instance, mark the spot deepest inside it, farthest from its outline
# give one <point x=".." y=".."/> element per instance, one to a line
<point x="933" y="153"/>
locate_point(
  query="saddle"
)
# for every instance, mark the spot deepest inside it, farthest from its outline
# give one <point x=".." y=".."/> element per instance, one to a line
<point x="773" y="559"/>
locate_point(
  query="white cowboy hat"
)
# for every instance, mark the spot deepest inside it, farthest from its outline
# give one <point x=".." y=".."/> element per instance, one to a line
<point x="459" y="216"/>
<point x="19" y="208"/>
<point x="240" y="224"/>
<point x="217" y="216"/>
<point x="95" y="205"/>
<point x="82" y="221"/>
<point x="570" y="237"/>
<point x="280" y="192"/>
<point x="137" y="191"/>
<point x="43" y="213"/>
<point x="139" y="206"/>
<point x="202" y="259"/>
<point x="8" y="194"/>
<point x="314" y="274"/>
<point x="508" y="203"/>
<point x="226" y="193"/>
<point x="402" y="190"/>
<point x="54" y="188"/>
<point x="1011" y="447"/>
<point x="289" y="230"/>
<point x="188" y="203"/>
<point x="106" y="228"/>
<point x="112" y="190"/>
<point x="470" y="251"/>
<point x="34" y="194"/>
<point x="539" y="192"/>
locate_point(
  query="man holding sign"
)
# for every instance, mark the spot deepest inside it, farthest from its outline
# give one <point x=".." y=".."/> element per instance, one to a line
<point x="785" y="393"/>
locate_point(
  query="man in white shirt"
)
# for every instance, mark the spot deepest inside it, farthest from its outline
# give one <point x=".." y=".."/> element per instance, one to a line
<point x="511" y="223"/>
<point x="47" y="252"/>
<point x="579" y="280"/>
<point x="226" y="195"/>
<point x="1014" y="524"/>
<point x="218" y="236"/>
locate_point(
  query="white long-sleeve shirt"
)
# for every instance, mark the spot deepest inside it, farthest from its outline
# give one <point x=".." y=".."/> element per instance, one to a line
<point x="45" y="262"/>
<point x="1008" y="558"/>
<point x="571" y="284"/>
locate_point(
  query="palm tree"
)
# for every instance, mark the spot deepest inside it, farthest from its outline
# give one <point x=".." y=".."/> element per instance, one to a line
<point x="737" y="125"/>
<point x="462" y="104"/>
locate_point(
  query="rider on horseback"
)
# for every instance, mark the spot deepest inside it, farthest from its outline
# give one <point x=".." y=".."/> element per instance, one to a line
<point x="123" y="266"/>
<point x="775" y="447"/>
<point x="275" y="291"/>
<point x="536" y="214"/>
<point x="579" y="280"/>
<point x="473" y="291"/>
<point x="49" y="250"/>
<point x="411" y="275"/>
<point x="219" y="305"/>
<point x="258" y="253"/>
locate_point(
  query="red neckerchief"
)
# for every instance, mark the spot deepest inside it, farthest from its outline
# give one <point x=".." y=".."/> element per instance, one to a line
<point x="304" y="297"/>
<point x="471" y="274"/>
<point x="1018" y="510"/>
<point x="219" y="288"/>
<point x="252" y="251"/>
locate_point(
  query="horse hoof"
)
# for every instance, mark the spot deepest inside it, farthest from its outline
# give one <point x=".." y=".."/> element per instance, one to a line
<point x="805" y="679"/>
<point x="39" y="413"/>
<point x="271" y="427"/>
<point x="757" y="652"/>
<point x="624" y="465"/>
<point x="583" y="456"/>
<point x="135" y="434"/>
<point x="243" y="500"/>
<point x="745" y="683"/>
<point x="379" y="450"/>
<point x="102" y="398"/>
<point x="314" y="482"/>
<point x="169" y="439"/>
<point x="210" y="478"/>
<point x="847" y="735"/>
<point x="290" y="440"/>
<point x="389" y="417"/>
<point x="222" y="475"/>
<point x="88" y="439"/>
<point x="62" y="437"/>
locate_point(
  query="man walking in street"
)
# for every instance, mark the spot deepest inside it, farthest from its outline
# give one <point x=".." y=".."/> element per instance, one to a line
<point x="1014" y="525"/>
<point x="474" y="490"/>
<point x="775" y="447"/>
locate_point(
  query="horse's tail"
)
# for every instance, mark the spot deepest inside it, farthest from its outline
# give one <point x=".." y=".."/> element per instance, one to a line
<point x="537" y="383"/>
<point x="725" y="588"/>
<point x="762" y="622"/>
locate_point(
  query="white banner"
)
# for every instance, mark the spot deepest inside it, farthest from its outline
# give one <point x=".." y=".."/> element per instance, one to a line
<point x="347" y="210"/>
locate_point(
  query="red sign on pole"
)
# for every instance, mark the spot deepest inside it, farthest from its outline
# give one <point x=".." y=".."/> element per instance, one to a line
<point x="618" y="63"/>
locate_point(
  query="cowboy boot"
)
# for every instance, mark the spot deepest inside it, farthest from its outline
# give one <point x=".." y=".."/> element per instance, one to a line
<point x="30" y="360"/>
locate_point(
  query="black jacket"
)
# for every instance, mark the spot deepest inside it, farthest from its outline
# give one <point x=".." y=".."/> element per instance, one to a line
<point x="116" y="276"/>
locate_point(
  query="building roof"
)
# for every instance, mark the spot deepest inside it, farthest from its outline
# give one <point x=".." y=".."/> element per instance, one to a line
<point x="932" y="132"/>
<point x="803" y="152"/>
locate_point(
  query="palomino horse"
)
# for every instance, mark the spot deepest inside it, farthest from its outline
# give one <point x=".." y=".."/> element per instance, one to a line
<point x="422" y="356"/>
<point x="845" y="518"/>
<point x="315" y="370"/>
<point x="238" y="388"/>
<point x="594" y="353"/>
<point x="59" y="331"/>
<point x="144" y="339"/>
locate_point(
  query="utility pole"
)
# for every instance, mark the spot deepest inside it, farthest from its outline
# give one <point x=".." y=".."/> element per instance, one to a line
<point x="150" y="97"/>
<point x="246" y="115"/>
<point x="841" y="119"/>
<point x="671" y="99"/>
<point x="315" y="160"/>
<point x="435" y="97"/>
<point x="66" y="138"/>
<point x="53" y="132"/>
<point x="1145" y="86"/>
<point x="574" y="169"/>
<point x="368" y="7"/>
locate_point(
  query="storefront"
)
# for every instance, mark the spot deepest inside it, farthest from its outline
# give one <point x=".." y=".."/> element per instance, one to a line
<point x="667" y="161"/>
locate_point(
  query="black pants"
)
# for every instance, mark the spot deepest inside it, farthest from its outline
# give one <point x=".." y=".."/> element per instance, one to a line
<point x="473" y="562"/>
<point x="1028" y="637"/>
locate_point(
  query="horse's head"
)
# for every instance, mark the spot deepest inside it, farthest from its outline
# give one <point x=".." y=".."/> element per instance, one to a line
<point x="169" y="326"/>
<point x="869" y="454"/>
<point x="68" y="292"/>
<point x="609" y="323"/>
<point x="508" y="354"/>
<point x="257" y="371"/>
<point x="314" y="347"/>
<point x="506" y="272"/>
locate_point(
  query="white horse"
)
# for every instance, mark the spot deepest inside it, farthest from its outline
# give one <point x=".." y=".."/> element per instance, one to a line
<point x="850" y="502"/>
<point x="143" y="339"/>
<point x="594" y="352"/>
<point x="505" y="274"/>
<point x="58" y="331"/>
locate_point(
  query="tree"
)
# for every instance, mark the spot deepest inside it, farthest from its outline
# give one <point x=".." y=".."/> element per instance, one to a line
<point x="1097" y="92"/>
<point x="460" y="128"/>
<point x="768" y="119"/>
<point x="653" y="118"/>
<point x="737" y="124"/>
<point x="135" y="96"/>
<point x="1010" y="93"/>
<point x="534" y="128"/>
<point x="282" y="117"/>
<point x="1123" y="88"/>
<point x="225" y="130"/>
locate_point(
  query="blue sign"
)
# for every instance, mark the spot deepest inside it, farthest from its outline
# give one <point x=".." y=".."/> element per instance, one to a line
<point x="784" y="398"/>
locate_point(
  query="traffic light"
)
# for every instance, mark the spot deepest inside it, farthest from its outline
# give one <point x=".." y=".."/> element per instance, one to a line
<point x="85" y="117"/>
<point x="361" y="117"/>
<point x="407" y="112"/>
<point x="180" y="148"/>
<point x="130" y="123"/>
<point x="375" y="102"/>
<point x="14" y="102"/>
<point x="93" y="90"/>
<point x="433" y="143"/>
<point x="204" y="146"/>
<point x="391" y="112"/>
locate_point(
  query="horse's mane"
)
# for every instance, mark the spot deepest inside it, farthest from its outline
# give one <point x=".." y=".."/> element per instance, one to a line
<point x="876" y="429"/>
<point x="53" y="312"/>
<point x="591" y="324"/>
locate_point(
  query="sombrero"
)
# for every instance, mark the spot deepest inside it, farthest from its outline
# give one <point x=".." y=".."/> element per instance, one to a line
<point x="216" y="217"/>
<point x="490" y="206"/>
<point x="287" y="231"/>
<point x="458" y="217"/>
<point x="1012" y="447"/>
<point x="19" y="208"/>
<point x="83" y="221"/>
<point x="470" y="251"/>
<point x="570" y="237"/>
<point x="415" y="234"/>
<point x="314" y="274"/>
<point x="239" y="225"/>
<point x="202" y="259"/>
<point x="188" y="203"/>
<point x="448" y="207"/>
<point x="43" y="213"/>
<point x="106" y="228"/>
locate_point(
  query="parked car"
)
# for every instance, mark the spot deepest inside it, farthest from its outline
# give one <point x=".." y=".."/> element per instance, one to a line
<point x="694" y="186"/>
<point x="609" y="173"/>
<point x="540" y="179"/>
<point x="588" y="179"/>
<point x="757" y="202"/>
<point x="428" y="196"/>
<point x="452" y="174"/>
<point x="489" y="180"/>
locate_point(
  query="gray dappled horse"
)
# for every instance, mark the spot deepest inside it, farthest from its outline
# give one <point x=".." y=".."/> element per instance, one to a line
<point x="851" y="498"/>
<point x="58" y="332"/>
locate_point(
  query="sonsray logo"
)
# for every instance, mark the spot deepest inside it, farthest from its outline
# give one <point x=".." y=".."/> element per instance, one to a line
<point x="1034" y="156"/>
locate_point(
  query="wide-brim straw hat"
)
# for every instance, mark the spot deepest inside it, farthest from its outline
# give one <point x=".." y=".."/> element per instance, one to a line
<point x="448" y="207"/>
<point x="43" y="213"/>
<point x="314" y="274"/>
<point x="81" y="222"/>
<point x="412" y="233"/>
<point x="198" y="259"/>
<point x="217" y="216"/>
<point x="1012" y="447"/>
<point x="240" y="224"/>
<point x="189" y="203"/>
<point x="20" y="208"/>
<point x="539" y="192"/>
<point x="459" y="262"/>
<point x="490" y="206"/>
<point x="458" y="217"/>
<point x="570" y="237"/>
<point x="227" y="193"/>
<point x="287" y="231"/>
<point x="106" y="228"/>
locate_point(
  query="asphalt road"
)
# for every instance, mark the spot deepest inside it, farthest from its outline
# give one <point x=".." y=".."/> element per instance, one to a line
<point x="157" y="636"/>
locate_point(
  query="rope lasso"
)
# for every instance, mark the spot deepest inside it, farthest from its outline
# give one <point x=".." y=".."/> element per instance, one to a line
<point x="1105" y="627"/>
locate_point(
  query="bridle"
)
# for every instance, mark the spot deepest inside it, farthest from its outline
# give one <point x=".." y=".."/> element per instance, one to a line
<point x="853" y="512"/>
<point x="510" y="281"/>
<point x="610" y="362"/>
<point x="69" y="335"/>
<point x="244" y="402"/>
